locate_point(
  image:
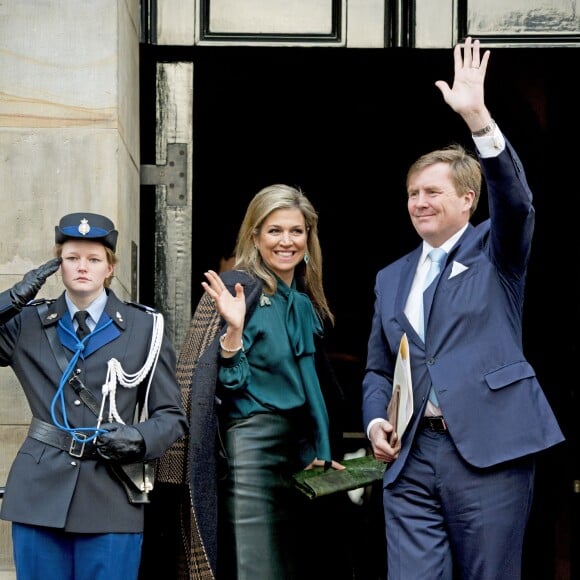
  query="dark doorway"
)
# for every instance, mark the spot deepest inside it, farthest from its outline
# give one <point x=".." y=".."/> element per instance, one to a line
<point x="344" y="125"/>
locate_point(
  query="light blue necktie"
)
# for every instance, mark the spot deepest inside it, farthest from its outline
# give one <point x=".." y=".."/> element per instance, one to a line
<point x="437" y="256"/>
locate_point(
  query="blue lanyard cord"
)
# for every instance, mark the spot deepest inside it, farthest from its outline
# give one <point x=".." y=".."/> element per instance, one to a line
<point x="59" y="395"/>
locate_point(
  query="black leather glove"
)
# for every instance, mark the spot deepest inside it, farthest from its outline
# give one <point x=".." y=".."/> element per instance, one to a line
<point x="121" y="443"/>
<point x="24" y="291"/>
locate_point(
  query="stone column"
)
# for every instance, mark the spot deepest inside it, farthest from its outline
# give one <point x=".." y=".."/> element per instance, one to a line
<point x="69" y="137"/>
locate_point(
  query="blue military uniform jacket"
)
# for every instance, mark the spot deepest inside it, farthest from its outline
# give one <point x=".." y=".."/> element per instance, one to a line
<point x="47" y="486"/>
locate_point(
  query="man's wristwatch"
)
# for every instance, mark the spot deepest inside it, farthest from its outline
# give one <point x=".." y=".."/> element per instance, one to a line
<point x="485" y="131"/>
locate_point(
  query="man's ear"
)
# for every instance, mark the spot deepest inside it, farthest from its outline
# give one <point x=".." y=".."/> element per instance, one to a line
<point x="469" y="198"/>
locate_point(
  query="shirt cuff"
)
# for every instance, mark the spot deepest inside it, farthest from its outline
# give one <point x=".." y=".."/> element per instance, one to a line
<point x="372" y="423"/>
<point x="490" y="145"/>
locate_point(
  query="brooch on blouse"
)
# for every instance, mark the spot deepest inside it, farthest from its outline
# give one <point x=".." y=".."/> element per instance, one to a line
<point x="264" y="300"/>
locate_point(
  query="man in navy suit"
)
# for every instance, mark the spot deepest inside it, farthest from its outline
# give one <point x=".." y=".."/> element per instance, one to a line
<point x="458" y="491"/>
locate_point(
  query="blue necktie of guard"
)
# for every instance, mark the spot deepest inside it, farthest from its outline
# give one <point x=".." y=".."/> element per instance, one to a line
<point x="437" y="256"/>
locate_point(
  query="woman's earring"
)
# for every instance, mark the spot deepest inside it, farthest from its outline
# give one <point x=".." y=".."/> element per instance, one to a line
<point x="306" y="258"/>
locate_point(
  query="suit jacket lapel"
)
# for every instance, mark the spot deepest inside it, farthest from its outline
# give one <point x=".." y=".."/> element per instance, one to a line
<point x="405" y="282"/>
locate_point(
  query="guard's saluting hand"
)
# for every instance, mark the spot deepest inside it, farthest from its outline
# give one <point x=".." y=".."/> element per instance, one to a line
<point x="24" y="291"/>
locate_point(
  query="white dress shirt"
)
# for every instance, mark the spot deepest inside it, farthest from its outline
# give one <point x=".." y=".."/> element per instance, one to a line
<point x="413" y="305"/>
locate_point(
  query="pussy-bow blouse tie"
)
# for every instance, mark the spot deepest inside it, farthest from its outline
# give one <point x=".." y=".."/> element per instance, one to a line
<point x="301" y="320"/>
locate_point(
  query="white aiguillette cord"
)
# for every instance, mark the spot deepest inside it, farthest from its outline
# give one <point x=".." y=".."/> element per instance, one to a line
<point x="116" y="374"/>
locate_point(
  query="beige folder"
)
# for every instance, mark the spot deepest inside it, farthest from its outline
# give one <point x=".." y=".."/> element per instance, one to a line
<point x="400" y="407"/>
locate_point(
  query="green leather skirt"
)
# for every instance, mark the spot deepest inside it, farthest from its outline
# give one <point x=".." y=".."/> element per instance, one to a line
<point x="260" y="512"/>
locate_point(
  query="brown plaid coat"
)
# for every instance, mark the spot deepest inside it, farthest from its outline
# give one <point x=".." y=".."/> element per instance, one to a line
<point x="192" y="461"/>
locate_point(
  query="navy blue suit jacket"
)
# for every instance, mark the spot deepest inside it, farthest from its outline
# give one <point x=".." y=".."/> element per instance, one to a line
<point x="489" y="394"/>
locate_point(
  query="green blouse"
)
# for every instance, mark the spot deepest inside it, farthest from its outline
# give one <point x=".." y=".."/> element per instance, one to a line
<point x="276" y="370"/>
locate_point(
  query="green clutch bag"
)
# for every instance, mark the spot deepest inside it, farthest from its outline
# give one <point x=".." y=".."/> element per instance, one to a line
<point x="358" y="472"/>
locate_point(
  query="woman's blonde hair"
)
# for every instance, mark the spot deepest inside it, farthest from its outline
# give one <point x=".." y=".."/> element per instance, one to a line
<point x="247" y="257"/>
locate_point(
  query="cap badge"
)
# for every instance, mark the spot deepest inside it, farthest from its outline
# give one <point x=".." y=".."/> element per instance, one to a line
<point x="84" y="227"/>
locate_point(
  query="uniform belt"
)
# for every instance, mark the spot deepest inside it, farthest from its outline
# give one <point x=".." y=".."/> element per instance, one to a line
<point x="60" y="439"/>
<point x="434" y="424"/>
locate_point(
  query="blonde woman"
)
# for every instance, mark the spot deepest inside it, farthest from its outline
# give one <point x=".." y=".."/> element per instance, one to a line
<point x="261" y="372"/>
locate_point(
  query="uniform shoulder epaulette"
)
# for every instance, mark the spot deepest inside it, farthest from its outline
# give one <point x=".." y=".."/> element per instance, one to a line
<point x="39" y="301"/>
<point x="143" y="307"/>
